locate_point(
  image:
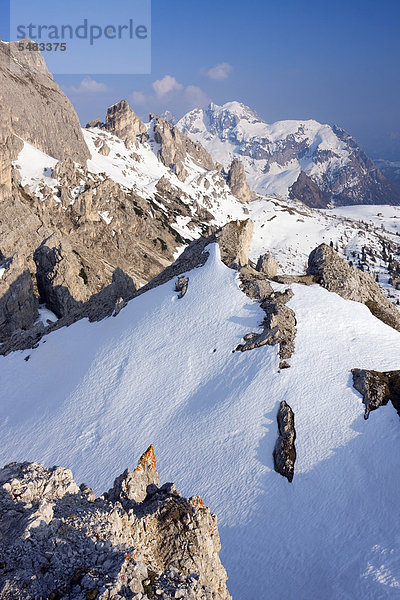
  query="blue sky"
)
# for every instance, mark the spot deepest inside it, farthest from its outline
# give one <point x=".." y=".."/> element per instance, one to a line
<point x="335" y="62"/>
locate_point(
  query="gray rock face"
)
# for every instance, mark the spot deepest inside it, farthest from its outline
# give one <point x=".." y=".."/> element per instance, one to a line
<point x="38" y="110"/>
<point x="123" y="122"/>
<point x="237" y="181"/>
<point x="57" y="279"/>
<point x="176" y="147"/>
<point x="377" y="388"/>
<point x="18" y="303"/>
<point x="255" y="284"/>
<point x="58" y="541"/>
<point x="267" y="264"/>
<point x="234" y="240"/>
<point x="336" y="275"/>
<point x="285" y="451"/>
<point x="10" y="148"/>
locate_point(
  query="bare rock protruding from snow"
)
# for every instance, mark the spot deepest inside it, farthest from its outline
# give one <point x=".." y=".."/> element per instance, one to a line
<point x="18" y="303"/>
<point x="176" y="148"/>
<point x="279" y="325"/>
<point x="181" y="286"/>
<point x="234" y="241"/>
<point x="39" y="112"/>
<point x="308" y="192"/>
<point x="267" y="264"/>
<point x="285" y="451"/>
<point x="58" y="541"/>
<point x="254" y="283"/>
<point x="336" y="275"/>
<point x="377" y="388"/>
<point x="123" y="122"/>
<point x="278" y="316"/>
<point x="237" y="181"/>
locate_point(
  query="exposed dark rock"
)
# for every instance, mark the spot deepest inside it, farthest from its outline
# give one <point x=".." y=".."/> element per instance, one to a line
<point x="181" y="286"/>
<point x="308" y="192"/>
<point x="58" y="541"/>
<point x="285" y="452"/>
<point x="279" y="326"/>
<point x="281" y="317"/>
<point x="377" y="388"/>
<point x="336" y="275"/>
<point x="18" y="304"/>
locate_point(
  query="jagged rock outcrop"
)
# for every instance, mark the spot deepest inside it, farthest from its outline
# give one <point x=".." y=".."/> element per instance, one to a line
<point x="123" y="122"/>
<point x="58" y="279"/>
<point x="267" y="264"/>
<point x="254" y="283"/>
<point x="237" y="181"/>
<point x="133" y="485"/>
<point x="59" y="541"/>
<point x="285" y="451"/>
<point x="18" y="303"/>
<point x="38" y="110"/>
<point x="336" y="275"/>
<point x="377" y="388"/>
<point x="308" y="192"/>
<point x="234" y="241"/>
<point x="279" y="327"/>
<point x="176" y="148"/>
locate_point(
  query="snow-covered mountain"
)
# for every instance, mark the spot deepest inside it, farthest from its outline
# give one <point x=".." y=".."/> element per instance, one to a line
<point x="281" y="159"/>
<point x="222" y="329"/>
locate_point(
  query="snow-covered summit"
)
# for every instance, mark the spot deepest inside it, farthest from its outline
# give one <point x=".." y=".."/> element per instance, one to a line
<point x="275" y="154"/>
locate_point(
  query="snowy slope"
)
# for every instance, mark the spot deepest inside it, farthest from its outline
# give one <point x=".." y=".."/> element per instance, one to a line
<point x="92" y="396"/>
<point x="274" y="154"/>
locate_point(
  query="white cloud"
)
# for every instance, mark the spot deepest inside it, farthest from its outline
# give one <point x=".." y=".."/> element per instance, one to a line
<point x="138" y="98"/>
<point x="220" y="71"/>
<point x="167" y="84"/>
<point x="196" y="97"/>
<point x="89" y="86"/>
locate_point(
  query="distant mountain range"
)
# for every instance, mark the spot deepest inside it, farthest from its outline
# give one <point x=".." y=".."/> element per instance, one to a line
<point x="318" y="164"/>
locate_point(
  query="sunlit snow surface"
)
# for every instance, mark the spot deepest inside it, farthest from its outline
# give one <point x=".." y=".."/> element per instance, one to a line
<point x="93" y="396"/>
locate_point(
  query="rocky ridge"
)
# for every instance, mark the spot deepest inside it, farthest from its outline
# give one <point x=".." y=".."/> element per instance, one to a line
<point x="136" y="541"/>
<point x="336" y="275"/>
